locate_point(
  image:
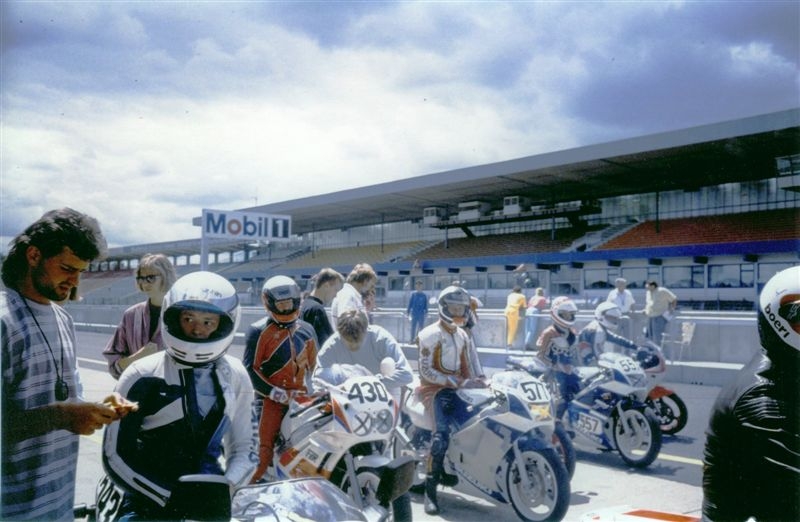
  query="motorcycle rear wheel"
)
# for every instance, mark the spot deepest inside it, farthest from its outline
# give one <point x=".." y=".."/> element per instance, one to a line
<point x="548" y="497"/>
<point x="404" y="444"/>
<point x="671" y="412"/>
<point x="637" y="436"/>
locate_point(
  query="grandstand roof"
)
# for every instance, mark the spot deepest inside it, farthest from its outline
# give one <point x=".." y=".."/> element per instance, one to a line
<point x="731" y="151"/>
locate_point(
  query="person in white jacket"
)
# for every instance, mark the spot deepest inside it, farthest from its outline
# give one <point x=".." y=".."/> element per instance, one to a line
<point x="195" y="403"/>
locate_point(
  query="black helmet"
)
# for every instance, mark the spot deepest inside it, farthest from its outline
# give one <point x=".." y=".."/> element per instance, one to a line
<point x="281" y="288"/>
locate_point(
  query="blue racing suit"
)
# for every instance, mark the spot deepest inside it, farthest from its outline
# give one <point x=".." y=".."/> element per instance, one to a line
<point x="595" y="339"/>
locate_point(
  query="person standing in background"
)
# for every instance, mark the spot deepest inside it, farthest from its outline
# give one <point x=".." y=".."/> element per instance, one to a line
<point x="536" y="305"/>
<point x="417" y="309"/>
<point x="361" y="279"/>
<point x="327" y="284"/>
<point x="515" y="308"/>
<point x="623" y="299"/>
<point x="621" y="296"/>
<point x="659" y="307"/>
<point x="139" y="333"/>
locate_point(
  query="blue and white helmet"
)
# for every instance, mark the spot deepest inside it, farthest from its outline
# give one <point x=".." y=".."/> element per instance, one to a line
<point x="202" y="292"/>
<point x="608" y="314"/>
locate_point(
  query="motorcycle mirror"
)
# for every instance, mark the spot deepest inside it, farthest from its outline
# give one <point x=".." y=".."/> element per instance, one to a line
<point x="387" y="366"/>
<point x="202" y="497"/>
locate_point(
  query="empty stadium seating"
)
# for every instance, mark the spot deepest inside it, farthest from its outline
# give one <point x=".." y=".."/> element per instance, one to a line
<point x="729" y="228"/>
<point x="501" y="244"/>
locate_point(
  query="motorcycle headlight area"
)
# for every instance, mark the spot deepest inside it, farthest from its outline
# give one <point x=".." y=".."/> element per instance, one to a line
<point x="541" y="411"/>
<point x="364" y="422"/>
<point x="638" y="380"/>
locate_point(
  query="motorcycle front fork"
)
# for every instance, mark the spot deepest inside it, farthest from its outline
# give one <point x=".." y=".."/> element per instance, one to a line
<point x="355" y="488"/>
<point x="523" y="472"/>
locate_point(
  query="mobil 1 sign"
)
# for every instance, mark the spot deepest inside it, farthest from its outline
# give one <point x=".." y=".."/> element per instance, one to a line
<point x="245" y="225"/>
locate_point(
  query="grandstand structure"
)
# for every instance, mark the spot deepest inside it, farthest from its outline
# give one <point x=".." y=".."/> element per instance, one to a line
<point x="710" y="212"/>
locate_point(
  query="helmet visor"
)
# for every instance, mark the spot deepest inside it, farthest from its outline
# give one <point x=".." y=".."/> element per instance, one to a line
<point x="790" y="311"/>
<point x="567" y="315"/>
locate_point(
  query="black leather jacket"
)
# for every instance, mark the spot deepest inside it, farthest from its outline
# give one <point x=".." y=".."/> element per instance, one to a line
<point x="752" y="452"/>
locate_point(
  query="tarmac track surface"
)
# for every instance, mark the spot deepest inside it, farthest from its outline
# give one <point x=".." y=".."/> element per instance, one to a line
<point x="672" y="483"/>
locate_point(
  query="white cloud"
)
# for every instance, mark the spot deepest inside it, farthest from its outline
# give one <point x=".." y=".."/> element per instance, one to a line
<point x="142" y="114"/>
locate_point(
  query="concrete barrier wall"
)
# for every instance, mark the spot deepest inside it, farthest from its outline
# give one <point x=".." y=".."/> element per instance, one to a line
<point x="720" y="337"/>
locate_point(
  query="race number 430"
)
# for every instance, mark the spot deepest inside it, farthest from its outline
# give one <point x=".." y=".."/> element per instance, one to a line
<point x="368" y="391"/>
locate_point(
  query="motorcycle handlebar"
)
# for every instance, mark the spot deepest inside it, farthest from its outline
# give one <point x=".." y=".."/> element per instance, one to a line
<point x="316" y="402"/>
<point x="493" y="398"/>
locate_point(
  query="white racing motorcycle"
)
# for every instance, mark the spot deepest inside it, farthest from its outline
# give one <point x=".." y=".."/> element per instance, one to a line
<point x="537" y="394"/>
<point x="502" y="452"/>
<point x="609" y="412"/>
<point x="344" y="435"/>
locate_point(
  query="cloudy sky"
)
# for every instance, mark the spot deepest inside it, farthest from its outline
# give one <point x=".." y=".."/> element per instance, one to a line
<point x="143" y="113"/>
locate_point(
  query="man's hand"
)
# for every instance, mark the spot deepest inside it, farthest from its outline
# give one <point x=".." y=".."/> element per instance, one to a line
<point x="84" y="418"/>
<point x="477" y="382"/>
<point x="120" y="404"/>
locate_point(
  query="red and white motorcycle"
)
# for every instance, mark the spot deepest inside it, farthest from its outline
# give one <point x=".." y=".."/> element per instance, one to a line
<point x="343" y="435"/>
<point x="670" y="409"/>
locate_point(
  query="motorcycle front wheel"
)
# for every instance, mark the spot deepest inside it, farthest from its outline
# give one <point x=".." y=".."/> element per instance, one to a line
<point x="562" y="443"/>
<point x="408" y="440"/>
<point x="368" y="480"/>
<point x="637" y="436"/>
<point x="671" y="412"/>
<point x="546" y="497"/>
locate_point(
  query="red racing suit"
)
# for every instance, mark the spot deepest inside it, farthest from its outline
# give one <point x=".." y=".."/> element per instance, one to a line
<point x="277" y="356"/>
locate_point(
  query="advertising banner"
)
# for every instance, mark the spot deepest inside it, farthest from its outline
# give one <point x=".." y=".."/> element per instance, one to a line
<point x="246" y="225"/>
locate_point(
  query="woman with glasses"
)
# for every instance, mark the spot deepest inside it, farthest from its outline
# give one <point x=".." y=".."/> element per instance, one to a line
<point x="138" y="334"/>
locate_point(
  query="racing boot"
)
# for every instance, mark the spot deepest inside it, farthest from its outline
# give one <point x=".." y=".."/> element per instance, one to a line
<point x="431" y="503"/>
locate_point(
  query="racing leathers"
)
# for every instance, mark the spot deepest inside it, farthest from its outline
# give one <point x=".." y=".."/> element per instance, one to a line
<point x="448" y="360"/>
<point x="752" y="453"/>
<point x="595" y="339"/>
<point x="556" y="348"/>
<point x="280" y="359"/>
<point x="188" y="418"/>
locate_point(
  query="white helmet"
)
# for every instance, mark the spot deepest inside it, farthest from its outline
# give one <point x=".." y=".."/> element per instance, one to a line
<point x="202" y="292"/>
<point x="563" y="311"/>
<point x="779" y="310"/>
<point x="280" y="288"/>
<point x="454" y="295"/>
<point x="608" y="314"/>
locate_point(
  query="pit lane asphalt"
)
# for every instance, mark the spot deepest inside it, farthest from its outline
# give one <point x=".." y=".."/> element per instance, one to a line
<point x="672" y="483"/>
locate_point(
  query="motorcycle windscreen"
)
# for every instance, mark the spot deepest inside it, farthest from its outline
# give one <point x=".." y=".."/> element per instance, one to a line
<point x="299" y="499"/>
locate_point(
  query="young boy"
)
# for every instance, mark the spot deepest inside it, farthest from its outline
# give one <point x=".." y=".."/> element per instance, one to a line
<point x="195" y="402"/>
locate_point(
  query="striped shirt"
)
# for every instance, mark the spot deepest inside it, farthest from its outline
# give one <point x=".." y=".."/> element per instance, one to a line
<point x="38" y="473"/>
